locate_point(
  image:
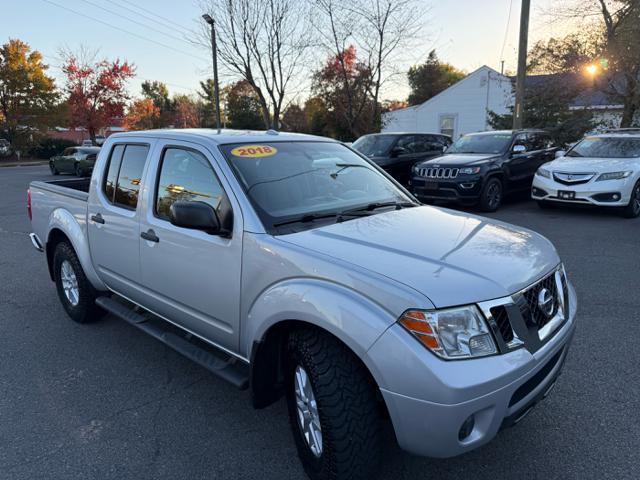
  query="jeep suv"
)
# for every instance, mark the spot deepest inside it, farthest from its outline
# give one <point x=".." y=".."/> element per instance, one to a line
<point x="480" y="168"/>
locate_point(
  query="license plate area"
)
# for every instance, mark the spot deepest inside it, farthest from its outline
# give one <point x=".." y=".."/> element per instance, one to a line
<point x="566" y="194"/>
<point x="429" y="185"/>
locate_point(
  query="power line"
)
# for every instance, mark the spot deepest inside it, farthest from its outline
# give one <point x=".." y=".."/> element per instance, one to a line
<point x="136" y="22"/>
<point x="167" y="23"/>
<point x="124" y="30"/>
<point x="506" y="31"/>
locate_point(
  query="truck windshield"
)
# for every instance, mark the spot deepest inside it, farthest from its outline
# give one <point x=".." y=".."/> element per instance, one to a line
<point x="374" y="145"/>
<point x="483" y="143"/>
<point x="606" y="147"/>
<point x="303" y="181"/>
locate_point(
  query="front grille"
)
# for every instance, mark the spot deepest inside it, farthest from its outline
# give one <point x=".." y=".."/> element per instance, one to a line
<point x="531" y="308"/>
<point x="501" y="316"/>
<point x="429" y="172"/>
<point x="572" y="178"/>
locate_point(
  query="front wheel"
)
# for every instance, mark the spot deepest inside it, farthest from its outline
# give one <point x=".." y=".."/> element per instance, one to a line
<point x="77" y="170"/>
<point x="491" y="196"/>
<point x="54" y="170"/>
<point x="333" y="408"/>
<point x="633" y="209"/>
<point x="74" y="290"/>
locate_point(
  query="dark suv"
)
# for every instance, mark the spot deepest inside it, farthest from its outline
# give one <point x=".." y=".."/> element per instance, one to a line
<point x="479" y="168"/>
<point x="396" y="153"/>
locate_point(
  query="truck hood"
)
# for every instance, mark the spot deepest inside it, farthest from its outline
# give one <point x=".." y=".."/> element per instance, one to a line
<point x="588" y="165"/>
<point x="459" y="159"/>
<point x="451" y="257"/>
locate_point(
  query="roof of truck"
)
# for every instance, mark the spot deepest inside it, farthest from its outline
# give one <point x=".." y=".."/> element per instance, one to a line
<point x="222" y="136"/>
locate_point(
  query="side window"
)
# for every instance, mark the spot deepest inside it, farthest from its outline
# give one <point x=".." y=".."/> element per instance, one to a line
<point x="131" y="167"/>
<point x="523" y="139"/>
<point x="185" y="175"/>
<point x="122" y="182"/>
<point x="67" y="152"/>
<point x="408" y="142"/>
<point x="433" y="142"/>
<point x="110" y="180"/>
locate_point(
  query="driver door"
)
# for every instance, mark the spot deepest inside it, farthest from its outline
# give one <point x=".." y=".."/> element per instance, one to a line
<point x="193" y="278"/>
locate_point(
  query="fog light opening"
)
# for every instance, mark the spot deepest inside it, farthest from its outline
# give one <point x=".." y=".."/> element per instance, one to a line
<point x="467" y="428"/>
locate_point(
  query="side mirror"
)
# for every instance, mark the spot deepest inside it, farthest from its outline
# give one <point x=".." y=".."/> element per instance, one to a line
<point x="519" y="149"/>
<point x="560" y="153"/>
<point x="196" y="216"/>
<point x="395" y="151"/>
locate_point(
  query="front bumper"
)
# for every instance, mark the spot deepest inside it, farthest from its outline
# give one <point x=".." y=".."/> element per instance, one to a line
<point x="463" y="189"/>
<point x="590" y="193"/>
<point x="429" y="399"/>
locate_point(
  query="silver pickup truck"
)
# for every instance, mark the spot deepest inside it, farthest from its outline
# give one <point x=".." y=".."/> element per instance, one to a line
<point x="293" y="266"/>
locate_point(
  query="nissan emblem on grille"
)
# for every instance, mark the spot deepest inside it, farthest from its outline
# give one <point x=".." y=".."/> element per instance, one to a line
<point x="545" y="302"/>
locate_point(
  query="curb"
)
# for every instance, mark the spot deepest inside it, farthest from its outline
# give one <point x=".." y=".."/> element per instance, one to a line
<point x="24" y="164"/>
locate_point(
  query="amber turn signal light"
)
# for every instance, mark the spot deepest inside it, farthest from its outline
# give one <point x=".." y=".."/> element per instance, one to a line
<point x="416" y="323"/>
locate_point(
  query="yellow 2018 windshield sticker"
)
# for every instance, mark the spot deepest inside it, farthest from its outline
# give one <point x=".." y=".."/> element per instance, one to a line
<point x="254" y="151"/>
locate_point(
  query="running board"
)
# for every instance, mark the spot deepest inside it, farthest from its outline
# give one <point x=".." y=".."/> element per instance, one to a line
<point x="229" y="368"/>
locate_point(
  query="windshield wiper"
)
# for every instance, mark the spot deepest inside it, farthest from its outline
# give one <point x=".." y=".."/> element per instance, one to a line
<point x="307" y="218"/>
<point x="344" y="166"/>
<point x="375" y="205"/>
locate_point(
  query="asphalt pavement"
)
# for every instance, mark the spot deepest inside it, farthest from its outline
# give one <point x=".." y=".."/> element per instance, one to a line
<point x="105" y="401"/>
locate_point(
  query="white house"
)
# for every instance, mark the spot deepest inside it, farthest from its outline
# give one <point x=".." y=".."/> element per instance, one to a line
<point x="461" y="108"/>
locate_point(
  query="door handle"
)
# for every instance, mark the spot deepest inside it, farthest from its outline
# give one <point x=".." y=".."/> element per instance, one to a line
<point x="150" y="235"/>
<point x="97" y="218"/>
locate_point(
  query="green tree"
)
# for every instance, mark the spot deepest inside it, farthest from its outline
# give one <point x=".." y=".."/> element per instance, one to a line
<point x="294" y="119"/>
<point x="27" y="94"/>
<point x="431" y="78"/>
<point x="207" y="96"/>
<point x="243" y="107"/>
<point x="159" y="93"/>
<point x="547" y="106"/>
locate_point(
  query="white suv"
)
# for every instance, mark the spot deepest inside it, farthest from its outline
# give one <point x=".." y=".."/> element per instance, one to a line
<point x="601" y="170"/>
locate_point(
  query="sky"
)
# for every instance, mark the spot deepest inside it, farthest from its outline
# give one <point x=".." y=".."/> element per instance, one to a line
<point x="151" y="34"/>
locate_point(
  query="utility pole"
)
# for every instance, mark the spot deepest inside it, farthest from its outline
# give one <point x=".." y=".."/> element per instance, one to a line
<point x="214" y="54"/>
<point x="522" y="64"/>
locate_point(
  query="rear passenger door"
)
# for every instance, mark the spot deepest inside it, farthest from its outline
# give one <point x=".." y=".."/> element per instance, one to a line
<point x="113" y="226"/>
<point x="544" y="149"/>
<point x="193" y="277"/>
<point x="66" y="160"/>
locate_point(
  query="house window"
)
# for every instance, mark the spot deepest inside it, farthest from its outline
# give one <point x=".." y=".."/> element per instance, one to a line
<point x="447" y="124"/>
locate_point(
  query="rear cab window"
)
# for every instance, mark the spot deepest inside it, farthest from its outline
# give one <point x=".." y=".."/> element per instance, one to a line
<point x="124" y="173"/>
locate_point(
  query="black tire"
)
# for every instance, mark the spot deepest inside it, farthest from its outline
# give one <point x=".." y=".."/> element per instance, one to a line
<point x="84" y="309"/>
<point x="77" y="170"/>
<point x="347" y="404"/>
<point x="491" y="196"/>
<point x="633" y="209"/>
<point x="54" y="170"/>
<point x="544" y="205"/>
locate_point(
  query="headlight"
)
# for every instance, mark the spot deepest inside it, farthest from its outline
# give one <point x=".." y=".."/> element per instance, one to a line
<point x="470" y="170"/>
<point x="613" y="176"/>
<point x="453" y="333"/>
<point x="543" y="172"/>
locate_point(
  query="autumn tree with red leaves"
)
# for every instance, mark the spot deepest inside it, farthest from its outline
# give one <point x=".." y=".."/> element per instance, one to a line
<point x="142" y="114"/>
<point x="96" y="91"/>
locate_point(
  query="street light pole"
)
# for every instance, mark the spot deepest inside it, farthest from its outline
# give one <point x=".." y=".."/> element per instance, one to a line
<point x="214" y="54"/>
<point x="522" y="64"/>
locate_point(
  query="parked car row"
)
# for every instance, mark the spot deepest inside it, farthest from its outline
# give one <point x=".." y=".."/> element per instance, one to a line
<point x="5" y="147"/>
<point x="481" y="168"/>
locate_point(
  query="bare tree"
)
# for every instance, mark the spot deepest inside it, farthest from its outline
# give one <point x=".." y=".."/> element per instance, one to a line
<point x="262" y="42"/>
<point x="379" y="30"/>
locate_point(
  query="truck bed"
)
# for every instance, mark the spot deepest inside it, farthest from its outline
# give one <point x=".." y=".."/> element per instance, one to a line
<point x="56" y="197"/>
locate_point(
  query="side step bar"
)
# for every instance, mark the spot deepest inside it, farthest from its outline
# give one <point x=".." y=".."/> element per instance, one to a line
<point x="228" y="368"/>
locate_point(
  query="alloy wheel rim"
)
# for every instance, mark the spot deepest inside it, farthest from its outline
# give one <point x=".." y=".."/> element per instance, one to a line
<point x="493" y="194"/>
<point x="307" y="409"/>
<point x="69" y="283"/>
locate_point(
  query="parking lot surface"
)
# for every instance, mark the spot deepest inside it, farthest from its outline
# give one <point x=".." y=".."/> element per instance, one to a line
<point x="105" y="401"/>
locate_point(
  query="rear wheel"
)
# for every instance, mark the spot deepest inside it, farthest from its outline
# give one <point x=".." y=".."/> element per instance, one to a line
<point x="74" y="290"/>
<point x="333" y="408"/>
<point x="633" y="209"/>
<point x="491" y="196"/>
